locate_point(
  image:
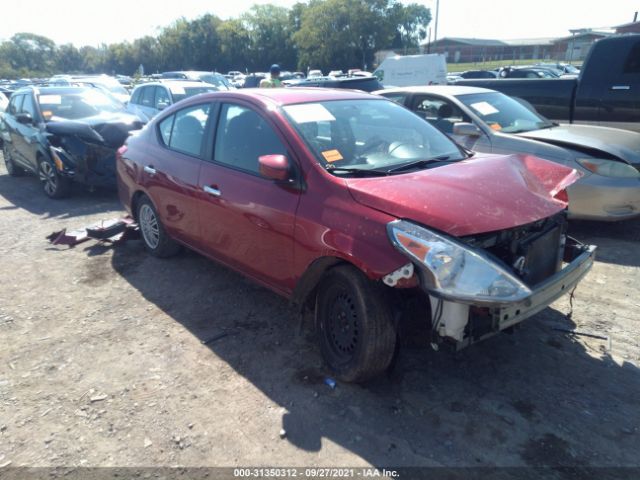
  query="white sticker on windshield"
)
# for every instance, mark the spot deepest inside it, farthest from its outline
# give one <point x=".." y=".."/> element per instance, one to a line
<point x="484" y="108"/>
<point x="177" y="90"/>
<point x="51" y="99"/>
<point x="309" y="112"/>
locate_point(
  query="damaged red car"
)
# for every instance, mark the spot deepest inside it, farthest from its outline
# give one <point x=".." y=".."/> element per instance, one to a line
<point x="357" y="210"/>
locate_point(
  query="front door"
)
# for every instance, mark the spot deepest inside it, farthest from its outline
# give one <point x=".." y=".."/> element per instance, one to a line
<point x="247" y="220"/>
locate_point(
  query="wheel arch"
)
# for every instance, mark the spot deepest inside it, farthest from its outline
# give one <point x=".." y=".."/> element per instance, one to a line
<point x="306" y="288"/>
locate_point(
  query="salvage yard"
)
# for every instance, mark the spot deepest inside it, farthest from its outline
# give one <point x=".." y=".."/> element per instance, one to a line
<point x="111" y="357"/>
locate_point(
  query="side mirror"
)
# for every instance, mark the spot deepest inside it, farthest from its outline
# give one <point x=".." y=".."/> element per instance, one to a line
<point x="274" y="167"/>
<point x="466" y="129"/>
<point x="24" y="118"/>
<point x="162" y="105"/>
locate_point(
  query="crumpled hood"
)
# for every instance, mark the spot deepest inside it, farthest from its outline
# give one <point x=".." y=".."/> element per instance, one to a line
<point x="483" y="194"/>
<point x="109" y="129"/>
<point x="622" y="144"/>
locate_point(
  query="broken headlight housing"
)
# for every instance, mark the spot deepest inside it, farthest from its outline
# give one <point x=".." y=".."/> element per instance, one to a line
<point x="454" y="270"/>
<point x="609" y="168"/>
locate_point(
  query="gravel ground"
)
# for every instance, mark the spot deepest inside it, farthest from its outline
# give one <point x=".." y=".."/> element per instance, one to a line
<point x="103" y="364"/>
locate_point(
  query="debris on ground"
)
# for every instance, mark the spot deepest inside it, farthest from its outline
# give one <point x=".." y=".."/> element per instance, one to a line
<point x="117" y="230"/>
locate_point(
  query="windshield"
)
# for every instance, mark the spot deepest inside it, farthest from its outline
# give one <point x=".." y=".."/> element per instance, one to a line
<point x="180" y="93"/>
<point x="369" y="134"/>
<point x="504" y="114"/>
<point x="215" y="79"/>
<point x="75" y="105"/>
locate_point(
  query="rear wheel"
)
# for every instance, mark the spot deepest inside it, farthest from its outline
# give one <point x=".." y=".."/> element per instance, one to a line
<point x="53" y="184"/>
<point x="357" y="335"/>
<point x="155" y="238"/>
<point x="12" y="168"/>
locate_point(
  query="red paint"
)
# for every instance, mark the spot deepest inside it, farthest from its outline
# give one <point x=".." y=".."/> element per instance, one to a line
<point x="273" y="232"/>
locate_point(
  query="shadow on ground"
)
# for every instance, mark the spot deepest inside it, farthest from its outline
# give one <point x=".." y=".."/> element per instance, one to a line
<point x="618" y="242"/>
<point x="535" y="398"/>
<point x="26" y="192"/>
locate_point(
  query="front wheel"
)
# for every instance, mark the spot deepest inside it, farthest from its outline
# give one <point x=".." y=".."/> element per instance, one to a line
<point x="155" y="238"/>
<point x="357" y="334"/>
<point x="53" y="184"/>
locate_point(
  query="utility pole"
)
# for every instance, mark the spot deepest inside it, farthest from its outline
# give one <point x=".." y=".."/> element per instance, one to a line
<point x="435" y="34"/>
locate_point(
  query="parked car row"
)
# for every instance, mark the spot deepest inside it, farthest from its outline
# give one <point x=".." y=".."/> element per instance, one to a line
<point x="448" y="204"/>
<point x="606" y="93"/>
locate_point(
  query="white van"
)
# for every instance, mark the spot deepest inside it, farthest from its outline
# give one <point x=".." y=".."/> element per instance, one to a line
<point x="413" y="70"/>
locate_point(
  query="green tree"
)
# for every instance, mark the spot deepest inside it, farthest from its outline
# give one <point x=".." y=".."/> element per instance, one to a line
<point x="343" y="34"/>
<point x="68" y="59"/>
<point x="29" y="52"/>
<point x="411" y="21"/>
<point x="269" y="37"/>
<point x="234" y="40"/>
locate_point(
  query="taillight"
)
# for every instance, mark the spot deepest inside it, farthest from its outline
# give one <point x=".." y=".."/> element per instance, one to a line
<point x="562" y="195"/>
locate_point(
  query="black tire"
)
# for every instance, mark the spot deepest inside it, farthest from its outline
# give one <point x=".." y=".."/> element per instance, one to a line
<point x="355" y="326"/>
<point x="12" y="168"/>
<point x="154" y="236"/>
<point x="54" y="185"/>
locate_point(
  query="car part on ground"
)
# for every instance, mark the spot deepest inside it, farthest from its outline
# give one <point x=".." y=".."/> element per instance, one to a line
<point x="357" y="210"/>
<point x="113" y="231"/>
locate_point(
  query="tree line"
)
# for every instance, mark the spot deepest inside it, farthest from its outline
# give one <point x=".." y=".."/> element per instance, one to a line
<point x="324" y="34"/>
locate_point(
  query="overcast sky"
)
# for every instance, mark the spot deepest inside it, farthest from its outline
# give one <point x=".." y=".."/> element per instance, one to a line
<point x="83" y="22"/>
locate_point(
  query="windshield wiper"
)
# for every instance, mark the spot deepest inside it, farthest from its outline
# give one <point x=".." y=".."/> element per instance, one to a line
<point x="419" y="163"/>
<point x="368" y="172"/>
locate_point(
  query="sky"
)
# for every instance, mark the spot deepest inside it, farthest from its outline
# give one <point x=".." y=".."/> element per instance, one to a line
<point x="83" y="22"/>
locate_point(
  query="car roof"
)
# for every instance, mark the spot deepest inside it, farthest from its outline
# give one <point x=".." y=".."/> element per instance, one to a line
<point x="289" y="96"/>
<point x="53" y="90"/>
<point x="451" y="90"/>
<point x="176" y="83"/>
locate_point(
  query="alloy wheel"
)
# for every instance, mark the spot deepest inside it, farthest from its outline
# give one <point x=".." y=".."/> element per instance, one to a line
<point x="49" y="178"/>
<point x="149" y="226"/>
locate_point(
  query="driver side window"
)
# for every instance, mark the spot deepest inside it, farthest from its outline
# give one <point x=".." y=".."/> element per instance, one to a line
<point x="439" y="112"/>
<point x="243" y="136"/>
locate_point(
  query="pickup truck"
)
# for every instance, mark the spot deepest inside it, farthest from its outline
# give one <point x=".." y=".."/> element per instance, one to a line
<point x="607" y="91"/>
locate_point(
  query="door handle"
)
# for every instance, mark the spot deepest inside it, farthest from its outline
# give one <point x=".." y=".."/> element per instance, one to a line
<point x="212" y="191"/>
<point x="150" y="170"/>
<point x="621" y="87"/>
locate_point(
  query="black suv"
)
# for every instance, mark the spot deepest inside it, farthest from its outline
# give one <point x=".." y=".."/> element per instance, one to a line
<point x="366" y="84"/>
<point x="64" y="134"/>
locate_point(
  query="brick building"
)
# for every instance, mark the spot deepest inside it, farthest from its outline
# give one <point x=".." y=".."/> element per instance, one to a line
<point x="565" y="49"/>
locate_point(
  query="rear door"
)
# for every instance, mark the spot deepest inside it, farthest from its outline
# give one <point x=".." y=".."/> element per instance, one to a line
<point x="247" y="220"/>
<point x="171" y="170"/>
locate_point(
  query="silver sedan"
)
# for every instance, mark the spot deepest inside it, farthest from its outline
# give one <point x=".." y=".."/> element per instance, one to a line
<point x="488" y="121"/>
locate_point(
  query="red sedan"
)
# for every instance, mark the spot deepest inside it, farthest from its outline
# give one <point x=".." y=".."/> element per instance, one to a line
<point x="357" y="209"/>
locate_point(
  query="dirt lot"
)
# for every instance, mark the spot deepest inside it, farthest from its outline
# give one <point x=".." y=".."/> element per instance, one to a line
<point x="103" y="364"/>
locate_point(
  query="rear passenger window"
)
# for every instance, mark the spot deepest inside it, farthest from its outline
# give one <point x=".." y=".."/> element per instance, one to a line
<point x="184" y="130"/>
<point x="165" y="129"/>
<point x="243" y="136"/>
